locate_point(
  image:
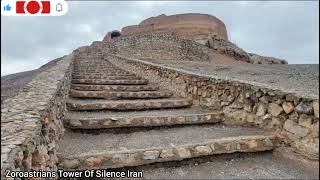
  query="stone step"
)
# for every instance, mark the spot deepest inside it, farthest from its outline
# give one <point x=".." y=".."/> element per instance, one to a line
<point x="111" y="82"/>
<point x="94" y="64"/>
<point x="90" y="62"/>
<point x="100" y="104"/>
<point x="258" y="165"/>
<point x="102" y="74"/>
<point x="99" y="71"/>
<point x="111" y="119"/>
<point x="98" y="68"/>
<point x="115" y="148"/>
<point x="120" y="94"/>
<point x="89" y="87"/>
<point x="110" y="77"/>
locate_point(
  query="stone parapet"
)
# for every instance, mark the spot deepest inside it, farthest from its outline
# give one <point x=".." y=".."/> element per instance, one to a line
<point x="294" y="118"/>
<point x="189" y="25"/>
<point x="30" y="121"/>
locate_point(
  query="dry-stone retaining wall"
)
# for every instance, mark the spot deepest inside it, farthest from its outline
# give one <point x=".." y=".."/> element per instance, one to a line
<point x="30" y="121"/>
<point x="160" y="46"/>
<point x="294" y="118"/>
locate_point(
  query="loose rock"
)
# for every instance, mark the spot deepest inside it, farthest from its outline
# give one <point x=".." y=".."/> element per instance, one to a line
<point x="148" y="155"/>
<point x="287" y="107"/>
<point x="275" y="109"/>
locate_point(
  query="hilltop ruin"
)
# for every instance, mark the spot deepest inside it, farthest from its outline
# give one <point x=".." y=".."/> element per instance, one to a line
<point x="201" y="28"/>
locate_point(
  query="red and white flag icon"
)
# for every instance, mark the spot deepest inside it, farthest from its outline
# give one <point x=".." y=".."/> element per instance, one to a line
<point x="32" y="7"/>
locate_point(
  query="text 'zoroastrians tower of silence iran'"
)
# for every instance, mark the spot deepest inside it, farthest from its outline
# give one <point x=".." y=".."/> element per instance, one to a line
<point x="202" y="28"/>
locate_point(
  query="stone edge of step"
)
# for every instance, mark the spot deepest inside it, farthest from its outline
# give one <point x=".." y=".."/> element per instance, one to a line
<point x="111" y="82"/>
<point x="123" y="158"/>
<point x="85" y="87"/>
<point x="104" y="94"/>
<point x="143" y="121"/>
<point x="99" y="104"/>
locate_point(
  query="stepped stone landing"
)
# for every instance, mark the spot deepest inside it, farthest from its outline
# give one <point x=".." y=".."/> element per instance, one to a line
<point x="116" y="119"/>
<point x="107" y="81"/>
<point x="132" y="88"/>
<point x="105" y="77"/>
<point x="120" y="95"/>
<point x="100" y="104"/>
<point x="111" y="119"/>
<point x="119" y="149"/>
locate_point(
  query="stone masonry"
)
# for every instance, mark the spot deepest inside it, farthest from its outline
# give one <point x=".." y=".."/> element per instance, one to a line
<point x="279" y="119"/>
<point x="187" y="25"/>
<point x="160" y="46"/>
<point x="30" y="121"/>
<point x="201" y="28"/>
<point x="104" y="96"/>
<point x="121" y="104"/>
<point x="295" y="119"/>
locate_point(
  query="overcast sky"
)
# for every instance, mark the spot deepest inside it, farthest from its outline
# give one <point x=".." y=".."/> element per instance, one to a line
<point x="288" y="30"/>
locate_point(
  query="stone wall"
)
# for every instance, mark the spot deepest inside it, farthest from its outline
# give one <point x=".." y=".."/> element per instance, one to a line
<point x="183" y="25"/>
<point x="294" y="119"/>
<point x="160" y="46"/>
<point x="30" y="121"/>
<point x="187" y="25"/>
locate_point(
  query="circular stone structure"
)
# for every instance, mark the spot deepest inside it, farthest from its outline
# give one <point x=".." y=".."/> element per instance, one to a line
<point x="189" y="25"/>
<point x="186" y="25"/>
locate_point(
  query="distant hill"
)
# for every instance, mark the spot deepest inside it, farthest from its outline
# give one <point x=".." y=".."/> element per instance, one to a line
<point x="11" y="84"/>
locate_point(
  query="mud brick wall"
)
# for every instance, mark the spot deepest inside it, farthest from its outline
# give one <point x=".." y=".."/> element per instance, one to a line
<point x="160" y="46"/>
<point x="294" y="119"/>
<point x="30" y="121"/>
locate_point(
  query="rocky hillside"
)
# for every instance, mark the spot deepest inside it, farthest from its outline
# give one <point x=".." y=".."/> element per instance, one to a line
<point x="13" y="83"/>
<point x="227" y="48"/>
<point x="202" y="28"/>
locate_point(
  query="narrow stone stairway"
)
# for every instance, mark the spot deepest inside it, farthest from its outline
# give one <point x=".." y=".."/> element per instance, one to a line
<point x="116" y="119"/>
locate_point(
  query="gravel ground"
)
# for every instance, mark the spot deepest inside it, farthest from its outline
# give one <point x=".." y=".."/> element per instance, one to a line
<point x="79" y="142"/>
<point x="302" y="79"/>
<point x="260" y="165"/>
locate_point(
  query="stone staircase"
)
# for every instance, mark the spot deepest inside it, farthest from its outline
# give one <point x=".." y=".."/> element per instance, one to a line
<point x="116" y="119"/>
